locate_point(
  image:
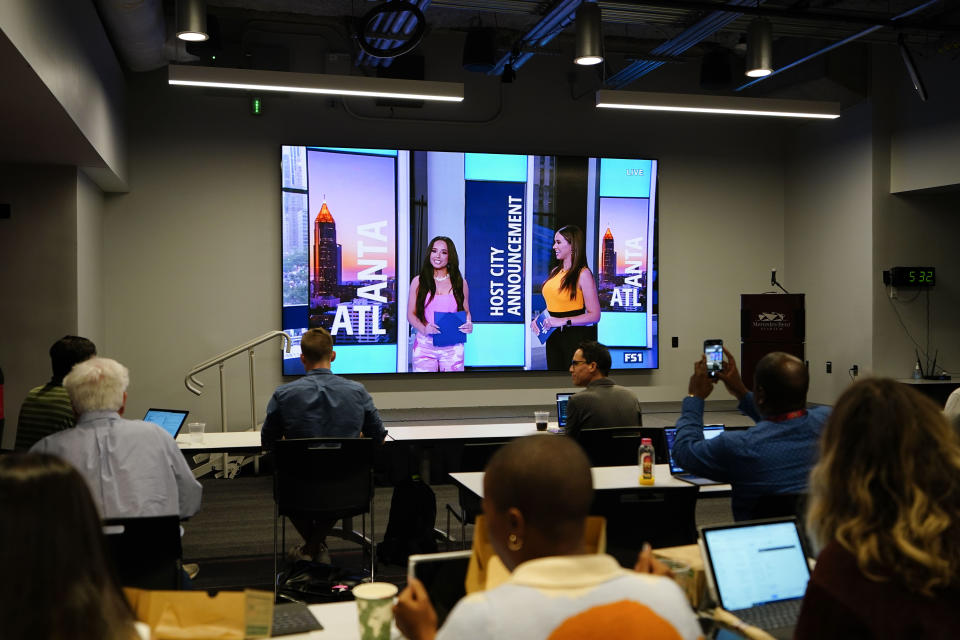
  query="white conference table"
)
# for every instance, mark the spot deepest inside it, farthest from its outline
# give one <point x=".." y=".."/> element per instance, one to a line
<point x="339" y="620"/>
<point x="249" y="441"/>
<point x="604" y="478"/>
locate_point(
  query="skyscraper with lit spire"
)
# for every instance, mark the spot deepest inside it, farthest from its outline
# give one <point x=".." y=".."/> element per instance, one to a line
<point x="608" y="268"/>
<point x="323" y="256"/>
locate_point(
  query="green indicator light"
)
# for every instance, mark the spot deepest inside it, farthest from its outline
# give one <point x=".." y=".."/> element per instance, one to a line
<point x="256" y="106"/>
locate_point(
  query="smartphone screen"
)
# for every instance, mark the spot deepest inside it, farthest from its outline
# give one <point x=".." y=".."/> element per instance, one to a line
<point x="713" y="350"/>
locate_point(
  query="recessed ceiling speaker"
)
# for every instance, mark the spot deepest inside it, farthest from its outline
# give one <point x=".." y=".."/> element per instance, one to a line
<point x="480" y="49"/>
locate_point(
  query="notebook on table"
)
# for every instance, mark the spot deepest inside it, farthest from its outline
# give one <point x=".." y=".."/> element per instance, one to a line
<point x="710" y="431"/>
<point x="170" y="419"/>
<point x="757" y="571"/>
<point x="562" y="399"/>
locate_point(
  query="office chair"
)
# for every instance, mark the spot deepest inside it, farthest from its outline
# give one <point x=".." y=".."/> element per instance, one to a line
<point x="145" y="552"/>
<point x="474" y="457"/>
<point x="617" y="446"/>
<point x="329" y="478"/>
<point x="662" y="516"/>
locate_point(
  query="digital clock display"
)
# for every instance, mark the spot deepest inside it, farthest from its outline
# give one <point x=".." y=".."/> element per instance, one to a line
<point x="913" y="276"/>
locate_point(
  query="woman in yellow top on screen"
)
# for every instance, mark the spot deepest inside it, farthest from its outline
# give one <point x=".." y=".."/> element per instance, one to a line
<point x="439" y="288"/>
<point x="571" y="296"/>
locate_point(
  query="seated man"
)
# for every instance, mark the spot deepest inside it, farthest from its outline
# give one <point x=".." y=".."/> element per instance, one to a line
<point x="319" y="405"/>
<point x="773" y="457"/>
<point x="134" y="468"/>
<point x="47" y="409"/>
<point x="537" y="495"/>
<point x="603" y="403"/>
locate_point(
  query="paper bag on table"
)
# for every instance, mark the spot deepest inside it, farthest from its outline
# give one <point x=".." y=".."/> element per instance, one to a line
<point x="194" y="615"/>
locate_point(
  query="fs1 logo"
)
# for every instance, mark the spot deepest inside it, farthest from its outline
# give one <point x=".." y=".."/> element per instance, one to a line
<point x="632" y="357"/>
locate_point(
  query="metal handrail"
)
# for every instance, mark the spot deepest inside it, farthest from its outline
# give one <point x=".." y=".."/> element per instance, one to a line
<point x="196" y="387"/>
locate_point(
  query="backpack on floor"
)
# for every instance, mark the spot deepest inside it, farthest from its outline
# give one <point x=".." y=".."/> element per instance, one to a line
<point x="413" y="512"/>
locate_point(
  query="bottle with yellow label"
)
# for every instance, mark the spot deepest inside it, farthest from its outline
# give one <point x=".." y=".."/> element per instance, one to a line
<point x="646" y="461"/>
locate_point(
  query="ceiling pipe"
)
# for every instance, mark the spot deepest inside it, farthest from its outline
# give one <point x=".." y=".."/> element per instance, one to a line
<point x="676" y="45"/>
<point x="560" y="15"/>
<point x="795" y="14"/>
<point x="835" y="45"/>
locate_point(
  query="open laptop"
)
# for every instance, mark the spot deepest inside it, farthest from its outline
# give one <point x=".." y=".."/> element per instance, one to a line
<point x="758" y="571"/>
<point x="710" y="431"/>
<point x="443" y="576"/>
<point x="170" y="419"/>
<point x="562" y="399"/>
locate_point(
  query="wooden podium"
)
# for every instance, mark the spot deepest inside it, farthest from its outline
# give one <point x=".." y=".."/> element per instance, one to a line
<point x="769" y="322"/>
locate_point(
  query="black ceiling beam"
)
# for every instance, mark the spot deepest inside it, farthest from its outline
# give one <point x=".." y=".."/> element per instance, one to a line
<point x="796" y="14"/>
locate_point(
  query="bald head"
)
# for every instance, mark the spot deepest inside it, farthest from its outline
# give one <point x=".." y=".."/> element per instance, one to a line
<point x="780" y="383"/>
<point x="547" y="478"/>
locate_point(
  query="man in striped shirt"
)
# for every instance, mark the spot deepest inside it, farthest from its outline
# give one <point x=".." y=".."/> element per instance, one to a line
<point x="47" y="408"/>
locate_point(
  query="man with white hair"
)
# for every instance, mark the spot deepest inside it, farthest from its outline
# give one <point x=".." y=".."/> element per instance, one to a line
<point x="134" y="468"/>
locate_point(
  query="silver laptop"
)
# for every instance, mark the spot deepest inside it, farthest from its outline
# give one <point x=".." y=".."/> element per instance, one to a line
<point x="562" y="399"/>
<point x="710" y="431"/>
<point x="758" y="571"/>
<point x="170" y="419"/>
<point x="443" y="576"/>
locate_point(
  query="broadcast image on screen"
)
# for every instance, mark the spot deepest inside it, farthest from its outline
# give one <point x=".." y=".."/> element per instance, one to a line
<point x="426" y="261"/>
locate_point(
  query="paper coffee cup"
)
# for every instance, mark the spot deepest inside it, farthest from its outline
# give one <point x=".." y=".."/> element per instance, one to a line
<point x="375" y="609"/>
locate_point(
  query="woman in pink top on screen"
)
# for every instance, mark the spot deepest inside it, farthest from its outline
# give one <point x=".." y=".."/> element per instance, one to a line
<point x="439" y="288"/>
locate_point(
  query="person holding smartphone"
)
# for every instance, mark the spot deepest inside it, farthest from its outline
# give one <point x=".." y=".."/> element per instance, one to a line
<point x="772" y="458"/>
<point x="572" y="301"/>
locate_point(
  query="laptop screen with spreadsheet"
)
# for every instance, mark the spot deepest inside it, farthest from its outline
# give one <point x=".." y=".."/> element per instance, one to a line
<point x="755" y="563"/>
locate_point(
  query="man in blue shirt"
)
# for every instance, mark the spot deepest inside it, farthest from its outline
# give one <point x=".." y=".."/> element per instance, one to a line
<point x="319" y="405"/>
<point x="773" y="457"/>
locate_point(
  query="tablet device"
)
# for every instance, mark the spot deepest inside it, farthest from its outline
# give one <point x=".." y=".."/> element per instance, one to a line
<point x="443" y="576"/>
<point x="170" y="419"/>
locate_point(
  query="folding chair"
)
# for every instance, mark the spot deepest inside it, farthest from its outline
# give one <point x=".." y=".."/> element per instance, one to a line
<point x="146" y="552"/>
<point x="325" y="477"/>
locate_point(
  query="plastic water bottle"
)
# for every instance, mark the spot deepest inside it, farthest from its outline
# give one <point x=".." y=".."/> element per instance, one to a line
<point x="646" y="461"/>
<point x="917" y="374"/>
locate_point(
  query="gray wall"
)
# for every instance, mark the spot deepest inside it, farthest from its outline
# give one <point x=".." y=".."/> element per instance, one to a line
<point x="829" y="244"/>
<point x="38" y="276"/>
<point x="90" y="311"/>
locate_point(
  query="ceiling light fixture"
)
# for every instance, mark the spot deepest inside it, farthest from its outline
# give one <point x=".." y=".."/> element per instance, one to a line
<point x="759" y="48"/>
<point x="192" y="20"/>
<point x="728" y="105"/>
<point x="589" y="47"/>
<point x="361" y="86"/>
